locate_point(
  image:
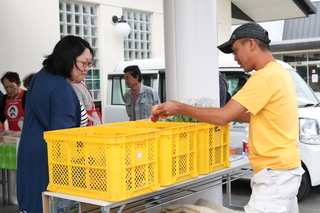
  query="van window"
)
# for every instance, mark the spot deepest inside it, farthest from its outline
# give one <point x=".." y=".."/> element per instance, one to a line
<point x="235" y="82"/>
<point x="119" y="87"/>
<point x="305" y="94"/>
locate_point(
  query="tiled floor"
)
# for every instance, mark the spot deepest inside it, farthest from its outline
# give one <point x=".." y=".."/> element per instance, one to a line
<point x="13" y="207"/>
<point x="7" y="208"/>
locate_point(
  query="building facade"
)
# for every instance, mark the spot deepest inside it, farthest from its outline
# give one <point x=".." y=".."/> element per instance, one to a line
<point x="30" y="29"/>
<point x="300" y="47"/>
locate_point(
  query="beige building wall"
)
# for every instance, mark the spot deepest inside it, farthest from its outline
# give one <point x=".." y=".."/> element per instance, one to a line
<point x="30" y="29"/>
<point x="224" y="21"/>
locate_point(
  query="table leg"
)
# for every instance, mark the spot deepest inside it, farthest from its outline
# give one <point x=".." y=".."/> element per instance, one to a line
<point x="105" y="209"/>
<point x="53" y="204"/>
<point x="5" y="184"/>
<point x="228" y="192"/>
<point x="8" y="184"/>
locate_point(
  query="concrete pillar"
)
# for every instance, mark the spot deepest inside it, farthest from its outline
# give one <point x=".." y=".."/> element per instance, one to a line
<point x="191" y="52"/>
<point x="191" y="56"/>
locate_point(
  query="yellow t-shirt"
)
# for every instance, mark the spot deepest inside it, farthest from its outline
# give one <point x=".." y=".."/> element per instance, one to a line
<point x="270" y="96"/>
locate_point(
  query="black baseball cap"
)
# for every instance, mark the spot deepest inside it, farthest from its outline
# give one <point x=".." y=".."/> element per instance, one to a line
<point x="248" y="30"/>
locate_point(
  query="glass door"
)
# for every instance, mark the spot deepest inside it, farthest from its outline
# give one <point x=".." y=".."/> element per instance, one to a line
<point x="303" y="72"/>
<point x="311" y="74"/>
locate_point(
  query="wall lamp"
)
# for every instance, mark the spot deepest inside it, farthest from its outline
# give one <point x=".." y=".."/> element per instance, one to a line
<point x="122" y="27"/>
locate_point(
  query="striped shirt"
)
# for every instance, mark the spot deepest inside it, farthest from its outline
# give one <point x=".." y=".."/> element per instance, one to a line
<point x="84" y="116"/>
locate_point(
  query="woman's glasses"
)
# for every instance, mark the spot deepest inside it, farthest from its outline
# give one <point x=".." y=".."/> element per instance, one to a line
<point x="86" y="64"/>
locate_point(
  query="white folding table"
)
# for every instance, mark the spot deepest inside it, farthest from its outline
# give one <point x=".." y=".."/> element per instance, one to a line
<point x="168" y="194"/>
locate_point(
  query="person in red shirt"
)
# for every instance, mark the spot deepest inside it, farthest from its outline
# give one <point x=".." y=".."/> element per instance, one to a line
<point x="12" y="105"/>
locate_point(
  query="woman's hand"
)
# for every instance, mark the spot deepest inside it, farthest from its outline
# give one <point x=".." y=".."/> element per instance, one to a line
<point x="90" y="121"/>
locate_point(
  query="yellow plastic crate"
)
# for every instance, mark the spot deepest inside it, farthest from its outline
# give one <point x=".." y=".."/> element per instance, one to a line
<point x="107" y="163"/>
<point x="213" y="147"/>
<point x="177" y="149"/>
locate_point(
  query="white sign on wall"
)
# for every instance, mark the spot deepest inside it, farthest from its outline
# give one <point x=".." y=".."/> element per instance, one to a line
<point x="314" y="78"/>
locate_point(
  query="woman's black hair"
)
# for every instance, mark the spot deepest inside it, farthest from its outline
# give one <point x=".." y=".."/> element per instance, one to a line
<point x="27" y="79"/>
<point x="12" y="77"/>
<point x="64" y="55"/>
<point x="134" y="71"/>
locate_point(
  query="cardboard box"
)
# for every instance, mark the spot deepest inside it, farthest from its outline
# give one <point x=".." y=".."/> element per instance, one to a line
<point x="84" y="207"/>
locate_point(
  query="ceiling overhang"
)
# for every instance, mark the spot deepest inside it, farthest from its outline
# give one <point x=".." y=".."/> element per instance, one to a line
<point x="296" y="44"/>
<point x="261" y="10"/>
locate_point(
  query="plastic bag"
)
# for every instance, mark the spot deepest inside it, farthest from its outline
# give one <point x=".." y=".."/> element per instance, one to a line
<point x="197" y="102"/>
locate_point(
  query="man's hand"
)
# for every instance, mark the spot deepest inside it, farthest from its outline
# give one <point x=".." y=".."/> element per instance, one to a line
<point x="168" y="108"/>
<point x="232" y="111"/>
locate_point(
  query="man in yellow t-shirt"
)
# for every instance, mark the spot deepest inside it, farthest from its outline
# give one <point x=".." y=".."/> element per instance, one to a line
<point x="268" y="102"/>
<point x="273" y="119"/>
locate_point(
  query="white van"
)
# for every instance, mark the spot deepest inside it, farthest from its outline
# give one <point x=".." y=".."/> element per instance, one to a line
<point x="153" y="74"/>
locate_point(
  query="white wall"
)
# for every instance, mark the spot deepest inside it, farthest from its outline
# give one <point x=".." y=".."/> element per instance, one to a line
<point x="191" y="49"/>
<point x="111" y="45"/>
<point x="274" y="28"/>
<point x="29" y="30"/>
<point x="191" y="35"/>
<point x="224" y="21"/>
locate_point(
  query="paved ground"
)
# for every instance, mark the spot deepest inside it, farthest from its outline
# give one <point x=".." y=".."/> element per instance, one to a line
<point x="241" y="192"/>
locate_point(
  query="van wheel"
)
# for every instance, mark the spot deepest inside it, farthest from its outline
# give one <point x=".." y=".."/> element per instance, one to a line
<point x="305" y="185"/>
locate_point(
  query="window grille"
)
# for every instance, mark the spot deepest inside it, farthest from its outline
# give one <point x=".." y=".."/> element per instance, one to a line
<point x="137" y="45"/>
<point x="82" y="20"/>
